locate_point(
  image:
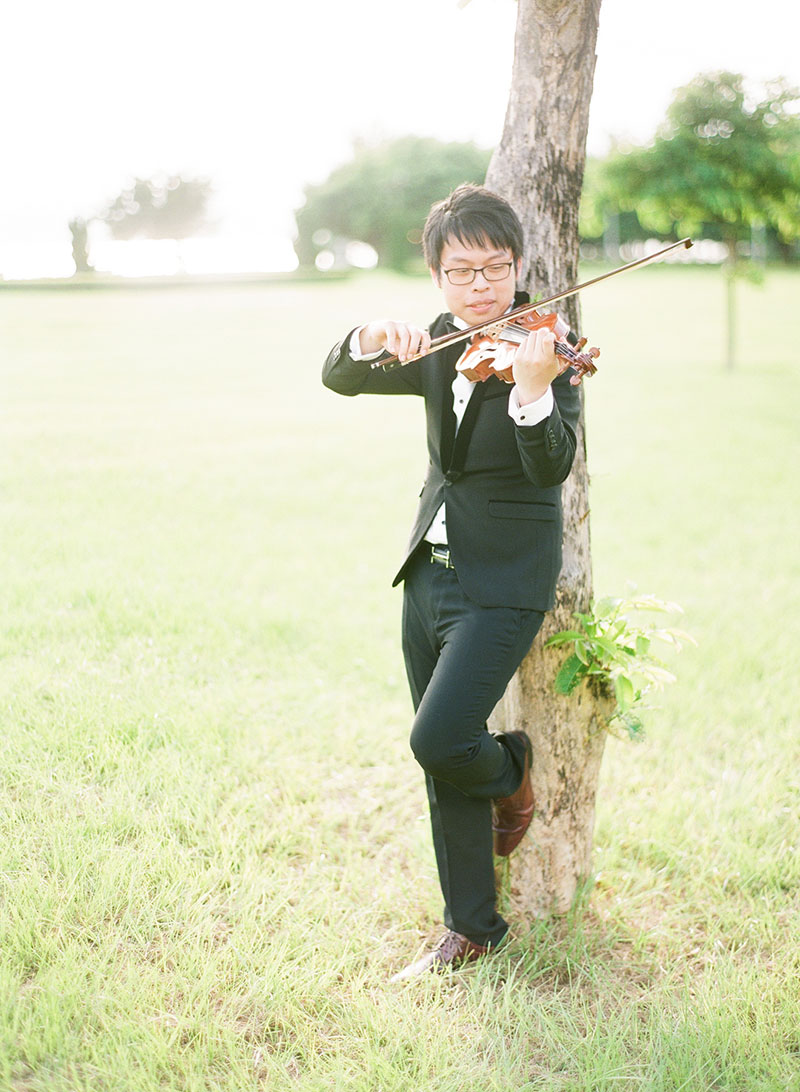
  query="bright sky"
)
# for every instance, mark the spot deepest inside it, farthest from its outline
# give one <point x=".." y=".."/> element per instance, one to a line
<point x="264" y="98"/>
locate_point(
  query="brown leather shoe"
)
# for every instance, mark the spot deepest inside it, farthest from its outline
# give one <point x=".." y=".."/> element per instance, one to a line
<point x="453" y="950"/>
<point x="513" y="814"/>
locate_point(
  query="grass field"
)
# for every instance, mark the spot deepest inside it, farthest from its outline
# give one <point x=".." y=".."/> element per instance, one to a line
<point x="206" y="876"/>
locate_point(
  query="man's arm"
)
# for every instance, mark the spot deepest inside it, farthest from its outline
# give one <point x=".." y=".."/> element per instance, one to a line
<point x="348" y="369"/>
<point x="547" y="449"/>
<point x="543" y="387"/>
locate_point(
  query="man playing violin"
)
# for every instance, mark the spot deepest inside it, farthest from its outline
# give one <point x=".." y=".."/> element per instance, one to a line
<point x="484" y="553"/>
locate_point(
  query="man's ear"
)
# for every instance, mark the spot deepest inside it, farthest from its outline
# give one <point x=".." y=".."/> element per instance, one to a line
<point x="436" y="277"/>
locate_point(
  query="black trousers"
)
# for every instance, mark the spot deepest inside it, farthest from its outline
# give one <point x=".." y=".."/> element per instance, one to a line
<point x="459" y="658"/>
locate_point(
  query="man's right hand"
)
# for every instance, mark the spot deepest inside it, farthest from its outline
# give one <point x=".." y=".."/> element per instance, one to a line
<point x="402" y="339"/>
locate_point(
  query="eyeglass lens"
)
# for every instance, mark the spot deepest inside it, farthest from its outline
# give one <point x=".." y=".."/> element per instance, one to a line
<point x="497" y="272"/>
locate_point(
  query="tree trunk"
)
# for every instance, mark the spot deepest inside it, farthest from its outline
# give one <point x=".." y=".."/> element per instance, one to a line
<point x="730" y="312"/>
<point x="730" y="271"/>
<point x="80" y="245"/>
<point x="538" y="167"/>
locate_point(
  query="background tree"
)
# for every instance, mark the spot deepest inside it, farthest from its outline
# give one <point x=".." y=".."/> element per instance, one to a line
<point x="160" y="208"/>
<point x="539" y="167"/>
<point x="721" y="157"/>
<point x="80" y="245"/>
<point x="383" y="195"/>
<point x="601" y="220"/>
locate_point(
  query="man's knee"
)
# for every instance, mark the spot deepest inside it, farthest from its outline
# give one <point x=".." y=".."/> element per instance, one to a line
<point x="437" y="753"/>
<point x="427" y="750"/>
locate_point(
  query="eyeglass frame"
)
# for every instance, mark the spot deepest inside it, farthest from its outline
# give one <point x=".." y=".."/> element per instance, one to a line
<point x="475" y="272"/>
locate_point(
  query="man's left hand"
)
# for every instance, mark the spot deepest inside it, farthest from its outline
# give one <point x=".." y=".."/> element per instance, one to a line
<point x="536" y="365"/>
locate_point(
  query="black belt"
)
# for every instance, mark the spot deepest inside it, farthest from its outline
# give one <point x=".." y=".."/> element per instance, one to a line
<point x="441" y="556"/>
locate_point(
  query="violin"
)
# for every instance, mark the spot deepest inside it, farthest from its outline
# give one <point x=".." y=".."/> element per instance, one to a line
<point x="494" y="341"/>
<point x="492" y="351"/>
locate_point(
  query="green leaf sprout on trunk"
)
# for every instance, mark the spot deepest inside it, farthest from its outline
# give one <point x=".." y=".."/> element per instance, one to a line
<point x="613" y="651"/>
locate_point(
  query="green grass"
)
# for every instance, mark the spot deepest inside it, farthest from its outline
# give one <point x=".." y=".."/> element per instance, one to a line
<point x="214" y="845"/>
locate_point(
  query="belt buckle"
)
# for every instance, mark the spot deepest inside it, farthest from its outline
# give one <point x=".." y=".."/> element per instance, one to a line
<point x="441" y="554"/>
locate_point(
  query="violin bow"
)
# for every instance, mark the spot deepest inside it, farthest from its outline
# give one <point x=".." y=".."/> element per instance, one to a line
<point x="390" y="362"/>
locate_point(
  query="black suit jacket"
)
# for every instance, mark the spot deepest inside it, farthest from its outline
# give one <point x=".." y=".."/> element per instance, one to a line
<point x="501" y="483"/>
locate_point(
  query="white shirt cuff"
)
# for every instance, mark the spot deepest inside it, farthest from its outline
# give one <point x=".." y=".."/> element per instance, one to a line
<point x="533" y="412"/>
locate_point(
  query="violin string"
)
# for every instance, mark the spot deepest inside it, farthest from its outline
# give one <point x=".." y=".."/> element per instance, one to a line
<point x="562" y="348"/>
<point x="520" y="334"/>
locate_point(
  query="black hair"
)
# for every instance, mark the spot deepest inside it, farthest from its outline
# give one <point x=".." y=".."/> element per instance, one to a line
<point x="474" y="216"/>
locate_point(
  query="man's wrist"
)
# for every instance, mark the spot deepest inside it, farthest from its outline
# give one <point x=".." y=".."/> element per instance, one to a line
<point x="526" y="397"/>
<point x="532" y="412"/>
<point x="355" y="349"/>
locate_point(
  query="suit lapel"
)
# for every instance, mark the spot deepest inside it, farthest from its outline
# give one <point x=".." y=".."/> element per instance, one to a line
<point x="447" y="375"/>
<point x="453" y="446"/>
<point x="496" y="387"/>
<point x="459" y="456"/>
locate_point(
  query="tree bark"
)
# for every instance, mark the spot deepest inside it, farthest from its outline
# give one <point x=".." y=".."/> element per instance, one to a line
<point x="538" y="167"/>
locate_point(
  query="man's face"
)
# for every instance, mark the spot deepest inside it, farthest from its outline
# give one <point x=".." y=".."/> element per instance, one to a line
<point x="482" y="300"/>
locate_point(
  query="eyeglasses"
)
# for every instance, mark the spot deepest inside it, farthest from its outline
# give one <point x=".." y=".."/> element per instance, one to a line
<point x="496" y="272"/>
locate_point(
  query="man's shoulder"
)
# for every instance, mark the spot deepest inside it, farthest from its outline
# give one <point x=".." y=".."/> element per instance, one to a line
<point x="441" y="325"/>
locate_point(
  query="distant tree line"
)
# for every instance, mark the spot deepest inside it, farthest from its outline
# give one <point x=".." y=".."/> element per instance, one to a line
<point x="167" y="207"/>
<point x="163" y="207"/>
<point x="382" y="196"/>
<point x="724" y="165"/>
